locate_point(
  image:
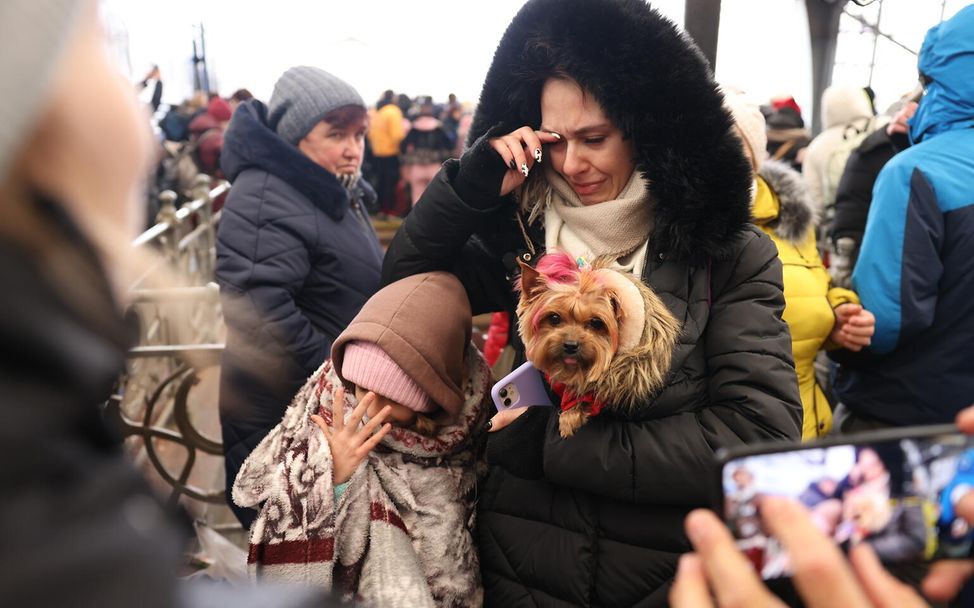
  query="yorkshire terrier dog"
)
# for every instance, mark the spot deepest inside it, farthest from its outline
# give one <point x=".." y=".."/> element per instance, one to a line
<point x="602" y="338"/>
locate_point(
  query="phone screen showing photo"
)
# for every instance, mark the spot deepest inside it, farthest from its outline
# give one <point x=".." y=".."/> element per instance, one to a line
<point x="897" y="495"/>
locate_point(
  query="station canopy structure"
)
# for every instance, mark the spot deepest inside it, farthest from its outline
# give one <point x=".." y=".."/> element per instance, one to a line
<point x="866" y="42"/>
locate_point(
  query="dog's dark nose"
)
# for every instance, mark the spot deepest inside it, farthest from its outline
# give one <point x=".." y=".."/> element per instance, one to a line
<point x="570" y="348"/>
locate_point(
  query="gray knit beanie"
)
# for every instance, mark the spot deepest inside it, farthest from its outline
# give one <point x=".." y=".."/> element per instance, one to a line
<point x="32" y="37"/>
<point x="302" y="97"/>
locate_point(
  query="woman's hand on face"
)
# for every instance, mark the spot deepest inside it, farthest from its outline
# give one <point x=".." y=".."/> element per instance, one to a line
<point x="350" y="444"/>
<point x="854" y="327"/>
<point x="900" y="122"/>
<point x="823" y="577"/>
<point x="521" y="150"/>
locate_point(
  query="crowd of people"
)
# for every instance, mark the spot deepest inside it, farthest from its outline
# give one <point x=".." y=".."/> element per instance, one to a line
<point x="408" y="140"/>
<point x="363" y="452"/>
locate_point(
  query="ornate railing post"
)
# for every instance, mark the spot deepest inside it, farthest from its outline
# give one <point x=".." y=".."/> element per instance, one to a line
<point x="201" y="191"/>
<point x="167" y="215"/>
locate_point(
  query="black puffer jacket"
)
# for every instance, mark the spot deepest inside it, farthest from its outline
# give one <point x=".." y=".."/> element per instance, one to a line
<point x="296" y="260"/>
<point x="855" y="191"/>
<point x="73" y="509"/>
<point x="596" y="520"/>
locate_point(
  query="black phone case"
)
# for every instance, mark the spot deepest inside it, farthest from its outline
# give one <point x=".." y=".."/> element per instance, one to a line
<point x="725" y="455"/>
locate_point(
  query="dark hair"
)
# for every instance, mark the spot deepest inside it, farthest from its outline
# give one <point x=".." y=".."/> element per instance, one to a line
<point x="404" y="102"/>
<point x="387" y="98"/>
<point x="890" y="453"/>
<point x="424" y="425"/>
<point x="541" y="61"/>
<point x="345" y="116"/>
<point x="241" y="95"/>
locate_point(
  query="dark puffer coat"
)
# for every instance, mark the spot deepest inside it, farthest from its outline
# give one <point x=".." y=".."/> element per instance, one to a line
<point x="296" y="260"/>
<point x="73" y="509"/>
<point x="596" y="520"/>
<point x="855" y="191"/>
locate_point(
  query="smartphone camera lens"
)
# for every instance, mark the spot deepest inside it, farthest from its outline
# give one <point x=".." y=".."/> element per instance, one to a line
<point x="503" y="392"/>
<point x="507" y="402"/>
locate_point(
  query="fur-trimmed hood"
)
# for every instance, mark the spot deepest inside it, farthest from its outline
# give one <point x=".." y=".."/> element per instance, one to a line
<point x="795" y="215"/>
<point x="636" y="375"/>
<point x="654" y="83"/>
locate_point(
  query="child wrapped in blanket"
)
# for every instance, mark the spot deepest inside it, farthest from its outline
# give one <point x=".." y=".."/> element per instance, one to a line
<point x="367" y="486"/>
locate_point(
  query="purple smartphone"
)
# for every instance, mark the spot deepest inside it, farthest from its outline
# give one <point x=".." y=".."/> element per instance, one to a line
<point x="521" y="388"/>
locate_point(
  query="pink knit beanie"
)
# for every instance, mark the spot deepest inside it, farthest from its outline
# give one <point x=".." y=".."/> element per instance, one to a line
<point x="368" y="366"/>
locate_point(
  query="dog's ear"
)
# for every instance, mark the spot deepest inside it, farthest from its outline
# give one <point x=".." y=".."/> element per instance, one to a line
<point x="531" y="281"/>
<point x="617" y="310"/>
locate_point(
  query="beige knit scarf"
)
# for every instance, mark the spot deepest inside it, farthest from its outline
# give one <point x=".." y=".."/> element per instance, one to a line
<point x="619" y="228"/>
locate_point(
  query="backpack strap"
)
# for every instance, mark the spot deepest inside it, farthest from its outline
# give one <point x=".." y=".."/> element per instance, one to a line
<point x="783" y="149"/>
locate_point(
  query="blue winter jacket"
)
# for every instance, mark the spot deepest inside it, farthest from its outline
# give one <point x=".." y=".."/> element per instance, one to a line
<point x="916" y="268"/>
<point x="296" y="260"/>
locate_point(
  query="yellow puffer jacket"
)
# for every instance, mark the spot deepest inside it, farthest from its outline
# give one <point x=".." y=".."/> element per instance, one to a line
<point x="386" y="131"/>
<point x="781" y="209"/>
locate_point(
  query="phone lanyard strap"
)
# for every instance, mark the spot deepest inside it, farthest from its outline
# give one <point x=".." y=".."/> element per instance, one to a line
<point x="524" y="233"/>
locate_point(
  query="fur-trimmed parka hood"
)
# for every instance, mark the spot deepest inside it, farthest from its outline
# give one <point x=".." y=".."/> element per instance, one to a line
<point x="795" y="216"/>
<point x="654" y="84"/>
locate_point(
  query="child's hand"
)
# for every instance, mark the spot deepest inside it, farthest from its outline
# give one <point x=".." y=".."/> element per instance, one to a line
<point x="351" y="444"/>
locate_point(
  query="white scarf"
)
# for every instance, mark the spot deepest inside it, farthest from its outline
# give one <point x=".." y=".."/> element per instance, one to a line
<point x="619" y="228"/>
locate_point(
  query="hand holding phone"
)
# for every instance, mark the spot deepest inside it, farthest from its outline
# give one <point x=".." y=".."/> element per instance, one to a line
<point x="893" y="490"/>
<point x="523" y="387"/>
<point x="823" y="577"/>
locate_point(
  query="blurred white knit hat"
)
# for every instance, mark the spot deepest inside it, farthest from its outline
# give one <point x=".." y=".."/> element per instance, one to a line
<point x="750" y="123"/>
<point x="33" y="34"/>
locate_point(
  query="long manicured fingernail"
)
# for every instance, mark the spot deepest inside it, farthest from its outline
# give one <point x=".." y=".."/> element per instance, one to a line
<point x="489" y="425"/>
<point x="555" y="135"/>
<point x="513" y="165"/>
<point x="524" y="169"/>
<point x="537" y="154"/>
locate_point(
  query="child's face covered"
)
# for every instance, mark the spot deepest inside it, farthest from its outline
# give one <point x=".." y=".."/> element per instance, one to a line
<point x="399" y="415"/>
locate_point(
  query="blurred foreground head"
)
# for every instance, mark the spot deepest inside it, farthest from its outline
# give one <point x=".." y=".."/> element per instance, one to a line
<point x="71" y="131"/>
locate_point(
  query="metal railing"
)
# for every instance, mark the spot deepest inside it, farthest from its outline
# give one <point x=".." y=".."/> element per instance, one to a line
<point x="166" y="402"/>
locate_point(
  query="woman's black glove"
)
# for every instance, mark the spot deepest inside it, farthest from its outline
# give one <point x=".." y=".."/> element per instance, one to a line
<point x="519" y="447"/>
<point x="478" y="182"/>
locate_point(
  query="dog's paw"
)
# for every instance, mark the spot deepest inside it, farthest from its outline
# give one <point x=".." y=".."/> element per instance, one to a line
<point x="570" y="421"/>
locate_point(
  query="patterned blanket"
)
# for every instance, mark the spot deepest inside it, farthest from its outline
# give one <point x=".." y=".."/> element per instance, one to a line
<point x="400" y="535"/>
